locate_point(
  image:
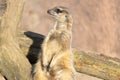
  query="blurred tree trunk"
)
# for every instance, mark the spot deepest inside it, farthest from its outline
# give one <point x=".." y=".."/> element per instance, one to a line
<point x="13" y="64"/>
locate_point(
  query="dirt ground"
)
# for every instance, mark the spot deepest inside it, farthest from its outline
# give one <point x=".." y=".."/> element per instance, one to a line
<point x="79" y="75"/>
<point x="86" y="77"/>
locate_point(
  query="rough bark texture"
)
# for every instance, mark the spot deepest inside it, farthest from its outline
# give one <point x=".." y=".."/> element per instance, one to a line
<point x="13" y="64"/>
<point x="97" y="65"/>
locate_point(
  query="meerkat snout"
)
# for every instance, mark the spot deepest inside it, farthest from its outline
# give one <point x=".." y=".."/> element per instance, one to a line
<point x="49" y="12"/>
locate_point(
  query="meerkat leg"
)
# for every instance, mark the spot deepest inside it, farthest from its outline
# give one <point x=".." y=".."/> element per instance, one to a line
<point x="44" y="64"/>
<point x="38" y="73"/>
<point x="64" y="74"/>
<point x="45" y="57"/>
<point x="39" y="76"/>
<point x="55" y="59"/>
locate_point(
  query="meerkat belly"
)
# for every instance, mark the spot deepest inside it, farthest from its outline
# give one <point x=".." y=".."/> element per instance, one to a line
<point x="53" y="47"/>
<point x="57" y="47"/>
<point x="53" y="43"/>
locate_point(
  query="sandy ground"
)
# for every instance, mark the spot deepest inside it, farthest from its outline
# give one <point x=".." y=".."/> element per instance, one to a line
<point x="86" y="77"/>
<point x="79" y="77"/>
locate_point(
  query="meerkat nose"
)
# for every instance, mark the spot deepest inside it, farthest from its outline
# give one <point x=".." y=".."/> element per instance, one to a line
<point x="48" y="11"/>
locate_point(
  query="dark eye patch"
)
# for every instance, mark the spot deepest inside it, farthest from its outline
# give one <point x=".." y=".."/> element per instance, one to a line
<point x="58" y="11"/>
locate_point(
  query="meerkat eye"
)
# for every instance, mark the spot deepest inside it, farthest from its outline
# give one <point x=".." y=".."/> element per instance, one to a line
<point x="58" y="11"/>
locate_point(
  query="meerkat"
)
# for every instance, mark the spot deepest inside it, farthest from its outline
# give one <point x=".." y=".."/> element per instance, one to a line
<point x="56" y="60"/>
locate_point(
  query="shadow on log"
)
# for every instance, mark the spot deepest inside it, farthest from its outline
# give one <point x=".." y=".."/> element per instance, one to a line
<point x="35" y="47"/>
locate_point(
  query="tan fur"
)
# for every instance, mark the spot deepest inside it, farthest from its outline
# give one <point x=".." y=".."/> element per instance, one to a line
<point x="56" y="61"/>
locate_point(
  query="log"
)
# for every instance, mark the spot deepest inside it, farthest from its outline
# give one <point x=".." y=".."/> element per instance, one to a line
<point x="97" y="65"/>
<point x="13" y="64"/>
<point x="85" y="62"/>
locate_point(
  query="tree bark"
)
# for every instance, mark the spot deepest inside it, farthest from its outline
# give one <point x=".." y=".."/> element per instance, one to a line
<point x="13" y="64"/>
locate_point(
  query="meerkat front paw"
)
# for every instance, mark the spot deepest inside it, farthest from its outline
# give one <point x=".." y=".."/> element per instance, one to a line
<point x="44" y="66"/>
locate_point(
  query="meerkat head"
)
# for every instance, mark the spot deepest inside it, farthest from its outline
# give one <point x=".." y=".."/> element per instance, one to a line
<point x="59" y="13"/>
